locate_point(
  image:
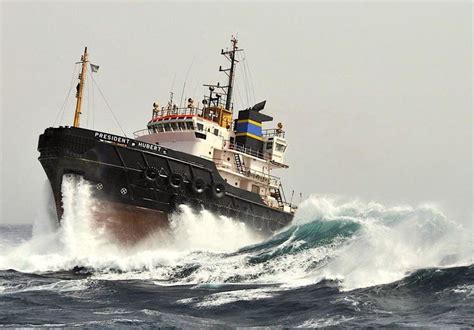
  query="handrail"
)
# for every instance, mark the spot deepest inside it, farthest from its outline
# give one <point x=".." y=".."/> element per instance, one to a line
<point x="248" y="151"/>
<point x="248" y="172"/>
<point x="273" y="132"/>
<point x="177" y="111"/>
<point x="141" y="132"/>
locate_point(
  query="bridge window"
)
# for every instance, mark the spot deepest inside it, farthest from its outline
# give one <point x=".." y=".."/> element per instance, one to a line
<point x="280" y="147"/>
<point x="200" y="127"/>
<point x="182" y="126"/>
<point x="189" y="125"/>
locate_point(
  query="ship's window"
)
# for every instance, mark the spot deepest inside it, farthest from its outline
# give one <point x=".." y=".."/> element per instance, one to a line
<point x="255" y="189"/>
<point x="182" y="126"/>
<point x="269" y="145"/>
<point x="200" y="135"/>
<point x="280" y="147"/>
<point x="200" y="127"/>
<point x="159" y="128"/>
<point x="174" y="126"/>
<point x="216" y="132"/>
<point x="231" y="140"/>
<point x="167" y="127"/>
<point x="189" y="125"/>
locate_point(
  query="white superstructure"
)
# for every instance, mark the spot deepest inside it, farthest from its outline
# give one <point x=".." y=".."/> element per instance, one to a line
<point x="244" y="154"/>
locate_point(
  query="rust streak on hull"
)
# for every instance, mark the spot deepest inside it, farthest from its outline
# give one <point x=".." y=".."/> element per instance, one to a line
<point x="129" y="224"/>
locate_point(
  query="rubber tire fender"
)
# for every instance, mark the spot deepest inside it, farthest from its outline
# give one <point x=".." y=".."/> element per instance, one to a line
<point x="175" y="180"/>
<point x="198" y="185"/>
<point x="258" y="223"/>
<point x="218" y="190"/>
<point x="151" y="174"/>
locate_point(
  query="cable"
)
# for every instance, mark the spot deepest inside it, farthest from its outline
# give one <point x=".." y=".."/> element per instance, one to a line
<point x="244" y="76"/>
<point x="63" y="107"/>
<point x="93" y="107"/>
<point x="88" y="93"/>
<point x="250" y="79"/>
<point x="108" y="106"/>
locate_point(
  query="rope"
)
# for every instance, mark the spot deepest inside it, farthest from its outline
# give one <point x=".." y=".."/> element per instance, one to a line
<point x="93" y="108"/>
<point x="108" y="106"/>
<point x="63" y="107"/>
<point x="244" y="76"/>
<point x="241" y="105"/>
<point x="88" y="93"/>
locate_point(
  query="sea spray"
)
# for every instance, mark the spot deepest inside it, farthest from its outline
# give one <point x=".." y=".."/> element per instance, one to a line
<point x="358" y="244"/>
<point x="82" y="241"/>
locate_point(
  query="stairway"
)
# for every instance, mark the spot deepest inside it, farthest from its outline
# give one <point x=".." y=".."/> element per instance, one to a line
<point x="277" y="195"/>
<point x="238" y="163"/>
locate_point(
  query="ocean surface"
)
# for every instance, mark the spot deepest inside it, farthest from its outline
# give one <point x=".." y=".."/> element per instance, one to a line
<point x="342" y="263"/>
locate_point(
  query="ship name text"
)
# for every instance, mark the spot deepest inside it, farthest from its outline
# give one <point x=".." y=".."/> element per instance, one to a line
<point x="112" y="138"/>
<point x="128" y="142"/>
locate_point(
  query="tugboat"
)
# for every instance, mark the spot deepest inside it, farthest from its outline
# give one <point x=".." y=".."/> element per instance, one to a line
<point x="199" y="155"/>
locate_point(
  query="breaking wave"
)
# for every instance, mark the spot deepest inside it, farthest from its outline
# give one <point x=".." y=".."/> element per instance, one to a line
<point x="354" y="243"/>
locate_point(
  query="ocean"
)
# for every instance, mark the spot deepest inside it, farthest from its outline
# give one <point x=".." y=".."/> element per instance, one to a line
<point x="342" y="263"/>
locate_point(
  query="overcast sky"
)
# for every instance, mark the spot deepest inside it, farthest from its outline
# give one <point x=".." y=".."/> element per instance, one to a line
<point x="376" y="98"/>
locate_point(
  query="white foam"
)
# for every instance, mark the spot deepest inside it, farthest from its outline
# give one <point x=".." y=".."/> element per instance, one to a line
<point x="394" y="242"/>
<point x="228" y="297"/>
<point x="324" y="322"/>
<point x="81" y="241"/>
<point x="202" y="248"/>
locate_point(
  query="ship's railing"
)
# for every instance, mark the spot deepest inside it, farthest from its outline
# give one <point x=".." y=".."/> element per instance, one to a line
<point x="273" y="132"/>
<point x="188" y="111"/>
<point x="260" y="176"/>
<point x="141" y="132"/>
<point x="248" y="151"/>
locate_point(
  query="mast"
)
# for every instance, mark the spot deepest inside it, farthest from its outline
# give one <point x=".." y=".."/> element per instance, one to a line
<point x="80" y="88"/>
<point x="230" y="54"/>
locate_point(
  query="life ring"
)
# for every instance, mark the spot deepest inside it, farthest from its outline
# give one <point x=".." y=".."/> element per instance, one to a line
<point x="198" y="185"/>
<point x="272" y="225"/>
<point x="175" y="180"/>
<point x="151" y="174"/>
<point x="218" y="190"/>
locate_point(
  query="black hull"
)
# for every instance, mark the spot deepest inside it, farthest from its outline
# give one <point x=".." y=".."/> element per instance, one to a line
<point x="118" y="167"/>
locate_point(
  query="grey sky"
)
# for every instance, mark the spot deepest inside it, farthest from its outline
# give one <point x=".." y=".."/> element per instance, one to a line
<point x="376" y="98"/>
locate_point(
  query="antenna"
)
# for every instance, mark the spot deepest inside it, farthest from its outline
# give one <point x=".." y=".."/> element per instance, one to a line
<point x="185" y="80"/>
<point x="230" y="55"/>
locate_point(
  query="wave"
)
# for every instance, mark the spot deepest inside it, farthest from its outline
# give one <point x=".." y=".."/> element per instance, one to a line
<point x="354" y="243"/>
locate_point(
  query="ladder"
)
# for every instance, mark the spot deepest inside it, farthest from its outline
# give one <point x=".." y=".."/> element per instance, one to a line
<point x="278" y="197"/>
<point x="238" y="163"/>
